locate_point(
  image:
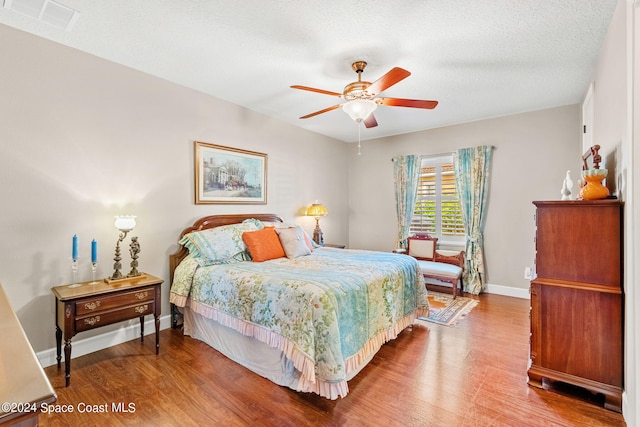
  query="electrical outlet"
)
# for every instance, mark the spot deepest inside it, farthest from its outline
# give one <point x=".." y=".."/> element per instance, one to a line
<point x="527" y="273"/>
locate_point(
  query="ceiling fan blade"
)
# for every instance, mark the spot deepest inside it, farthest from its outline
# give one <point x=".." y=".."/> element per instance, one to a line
<point x="392" y="77"/>
<point x="413" y="103"/>
<point x="370" y="121"/>
<point x="312" y="89"/>
<point x="321" y="111"/>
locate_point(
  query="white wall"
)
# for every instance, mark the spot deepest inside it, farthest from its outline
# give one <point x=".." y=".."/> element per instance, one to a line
<point x="610" y="98"/>
<point x="532" y="153"/>
<point x="614" y="115"/>
<point x="631" y="403"/>
<point x="83" y="139"/>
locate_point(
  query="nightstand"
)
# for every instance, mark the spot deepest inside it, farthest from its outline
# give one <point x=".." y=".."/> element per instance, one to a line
<point x="90" y="305"/>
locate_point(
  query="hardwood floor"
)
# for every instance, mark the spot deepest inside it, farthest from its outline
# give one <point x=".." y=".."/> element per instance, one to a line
<point x="431" y="375"/>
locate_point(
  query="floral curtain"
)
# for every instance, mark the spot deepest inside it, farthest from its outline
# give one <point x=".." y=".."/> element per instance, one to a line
<point x="472" y="167"/>
<point x="405" y="169"/>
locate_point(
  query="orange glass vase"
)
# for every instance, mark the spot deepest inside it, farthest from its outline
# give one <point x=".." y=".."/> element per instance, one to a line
<point x="594" y="190"/>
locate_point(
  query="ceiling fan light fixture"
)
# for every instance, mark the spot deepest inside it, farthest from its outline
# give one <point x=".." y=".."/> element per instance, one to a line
<point x="360" y="97"/>
<point x="359" y="109"/>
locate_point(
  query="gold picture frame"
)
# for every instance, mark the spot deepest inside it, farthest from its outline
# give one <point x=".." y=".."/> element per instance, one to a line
<point x="227" y="175"/>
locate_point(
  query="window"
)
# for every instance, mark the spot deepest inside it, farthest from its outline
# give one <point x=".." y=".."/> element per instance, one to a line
<point x="437" y="210"/>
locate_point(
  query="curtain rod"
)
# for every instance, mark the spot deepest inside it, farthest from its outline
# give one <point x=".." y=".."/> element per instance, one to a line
<point x="493" y="148"/>
<point x="439" y="155"/>
<point x="432" y="155"/>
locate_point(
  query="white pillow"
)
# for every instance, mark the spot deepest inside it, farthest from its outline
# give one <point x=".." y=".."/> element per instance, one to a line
<point x="310" y="242"/>
<point x="293" y="242"/>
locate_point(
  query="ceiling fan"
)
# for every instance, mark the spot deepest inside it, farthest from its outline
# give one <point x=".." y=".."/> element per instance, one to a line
<point x="361" y="97"/>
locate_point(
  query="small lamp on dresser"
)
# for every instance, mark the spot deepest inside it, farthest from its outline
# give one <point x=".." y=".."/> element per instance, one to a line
<point x="317" y="210"/>
<point x="124" y="223"/>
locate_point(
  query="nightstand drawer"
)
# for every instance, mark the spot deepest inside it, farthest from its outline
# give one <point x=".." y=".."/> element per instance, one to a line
<point x="102" y="303"/>
<point x="118" y="315"/>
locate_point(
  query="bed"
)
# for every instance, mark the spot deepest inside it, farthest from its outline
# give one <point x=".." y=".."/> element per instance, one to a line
<point x="309" y="320"/>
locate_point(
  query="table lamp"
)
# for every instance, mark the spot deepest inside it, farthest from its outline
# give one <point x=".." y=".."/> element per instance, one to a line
<point x="124" y="223"/>
<point x="317" y="210"/>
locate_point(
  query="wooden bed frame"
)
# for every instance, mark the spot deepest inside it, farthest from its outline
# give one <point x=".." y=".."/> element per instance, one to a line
<point x="204" y="223"/>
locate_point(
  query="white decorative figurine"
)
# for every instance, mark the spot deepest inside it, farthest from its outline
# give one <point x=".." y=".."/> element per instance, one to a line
<point x="567" y="186"/>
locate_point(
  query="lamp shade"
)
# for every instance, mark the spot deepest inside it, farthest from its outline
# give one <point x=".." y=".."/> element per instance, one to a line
<point x="125" y="222"/>
<point x="359" y="109"/>
<point x="317" y="209"/>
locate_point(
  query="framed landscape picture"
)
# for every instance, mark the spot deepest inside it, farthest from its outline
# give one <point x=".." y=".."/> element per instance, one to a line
<point x="229" y="175"/>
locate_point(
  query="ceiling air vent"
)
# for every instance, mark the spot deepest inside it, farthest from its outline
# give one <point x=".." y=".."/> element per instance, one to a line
<point x="47" y="11"/>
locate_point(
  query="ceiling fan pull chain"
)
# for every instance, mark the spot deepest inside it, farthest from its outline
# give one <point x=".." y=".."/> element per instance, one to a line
<point x="359" y="126"/>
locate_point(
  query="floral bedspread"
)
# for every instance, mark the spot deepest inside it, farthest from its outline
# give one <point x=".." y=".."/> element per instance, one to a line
<point x="328" y="311"/>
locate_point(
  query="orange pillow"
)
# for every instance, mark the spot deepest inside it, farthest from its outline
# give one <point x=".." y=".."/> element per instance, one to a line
<point x="263" y="245"/>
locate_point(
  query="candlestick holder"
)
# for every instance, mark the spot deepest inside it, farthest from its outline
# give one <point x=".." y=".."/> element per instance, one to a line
<point x="94" y="268"/>
<point x="74" y="271"/>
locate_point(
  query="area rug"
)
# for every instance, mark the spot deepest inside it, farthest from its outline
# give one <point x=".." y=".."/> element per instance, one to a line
<point x="446" y="310"/>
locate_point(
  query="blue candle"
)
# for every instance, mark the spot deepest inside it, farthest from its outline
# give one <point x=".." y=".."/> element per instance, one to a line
<point x="94" y="251"/>
<point x="74" y="248"/>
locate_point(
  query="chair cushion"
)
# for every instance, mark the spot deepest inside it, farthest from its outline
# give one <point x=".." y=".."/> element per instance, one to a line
<point x="422" y="248"/>
<point x="440" y="269"/>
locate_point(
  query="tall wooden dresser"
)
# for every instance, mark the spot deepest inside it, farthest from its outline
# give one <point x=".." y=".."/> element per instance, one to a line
<point x="577" y="297"/>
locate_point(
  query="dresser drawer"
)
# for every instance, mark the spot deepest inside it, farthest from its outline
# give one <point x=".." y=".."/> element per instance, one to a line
<point x="106" y="302"/>
<point x="117" y="315"/>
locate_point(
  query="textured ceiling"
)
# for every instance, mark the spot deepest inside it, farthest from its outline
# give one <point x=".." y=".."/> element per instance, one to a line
<point x="479" y="59"/>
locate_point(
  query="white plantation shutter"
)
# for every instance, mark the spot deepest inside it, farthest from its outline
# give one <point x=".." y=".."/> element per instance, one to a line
<point x="450" y="211"/>
<point x="437" y="210"/>
<point x="424" y="214"/>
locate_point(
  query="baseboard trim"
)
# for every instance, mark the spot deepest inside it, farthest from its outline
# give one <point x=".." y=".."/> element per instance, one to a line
<point x="507" y="291"/>
<point x="106" y="340"/>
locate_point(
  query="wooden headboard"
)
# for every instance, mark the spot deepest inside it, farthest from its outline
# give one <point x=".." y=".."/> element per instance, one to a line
<point x="212" y="221"/>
